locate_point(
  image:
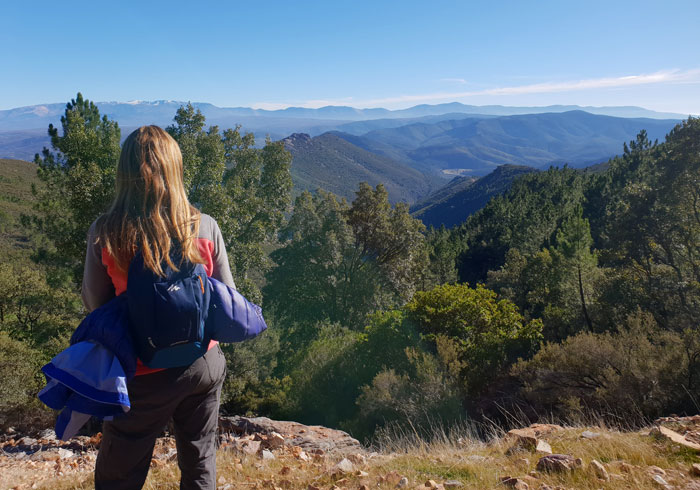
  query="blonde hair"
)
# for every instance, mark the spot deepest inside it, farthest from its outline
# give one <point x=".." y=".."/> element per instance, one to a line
<point x="150" y="212"/>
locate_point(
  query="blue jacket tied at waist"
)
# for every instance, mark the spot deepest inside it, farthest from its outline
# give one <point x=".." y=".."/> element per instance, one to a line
<point x="90" y="377"/>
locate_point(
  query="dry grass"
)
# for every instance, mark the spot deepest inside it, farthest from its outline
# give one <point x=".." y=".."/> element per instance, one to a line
<point x="453" y="456"/>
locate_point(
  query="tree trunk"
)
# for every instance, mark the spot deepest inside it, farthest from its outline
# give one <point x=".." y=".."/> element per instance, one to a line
<point x="583" y="300"/>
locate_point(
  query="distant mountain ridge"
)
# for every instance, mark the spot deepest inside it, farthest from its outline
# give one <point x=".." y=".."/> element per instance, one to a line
<point x="136" y="113"/>
<point x="477" y="145"/>
<point x="336" y="165"/>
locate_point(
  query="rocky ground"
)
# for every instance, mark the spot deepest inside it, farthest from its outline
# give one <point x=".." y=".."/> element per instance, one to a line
<point x="262" y="453"/>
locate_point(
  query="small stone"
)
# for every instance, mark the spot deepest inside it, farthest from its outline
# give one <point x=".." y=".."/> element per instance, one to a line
<point x="655" y="470"/>
<point x="221" y="480"/>
<point x="26" y="441"/>
<point x="344" y="466"/>
<point x="516" y="483"/>
<point x="275" y="440"/>
<point x="403" y="482"/>
<point x="600" y="470"/>
<point x="660" y="480"/>
<point x="453" y="484"/>
<point x="267" y="455"/>
<point x="47" y="434"/>
<point x="361" y="474"/>
<point x="587" y="434"/>
<point x="428" y="484"/>
<point x="695" y="469"/>
<point x="558" y="463"/>
<point x="251" y="447"/>
<point x="543" y="447"/>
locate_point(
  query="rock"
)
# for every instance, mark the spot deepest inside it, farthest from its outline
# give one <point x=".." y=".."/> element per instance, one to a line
<point x="267" y="455"/>
<point x="668" y="434"/>
<point x="558" y="463"/>
<point x="587" y="434"/>
<point x="299" y="453"/>
<point x="293" y="433"/>
<point x="403" y="482"/>
<point x="626" y="467"/>
<point x="695" y="469"/>
<point x="525" y="438"/>
<point x="453" y="484"/>
<point x="660" y="480"/>
<point x="513" y="482"/>
<point x="47" y="434"/>
<point x="361" y="474"/>
<point x="431" y="484"/>
<point x="26" y="441"/>
<point x="655" y="470"/>
<point x="600" y="470"/>
<point x="343" y="466"/>
<point x="274" y="441"/>
<point x="250" y="447"/>
<point x="65" y="453"/>
<point x="543" y="447"/>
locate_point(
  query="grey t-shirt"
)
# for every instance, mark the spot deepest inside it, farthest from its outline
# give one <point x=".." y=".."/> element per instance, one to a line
<point x="98" y="286"/>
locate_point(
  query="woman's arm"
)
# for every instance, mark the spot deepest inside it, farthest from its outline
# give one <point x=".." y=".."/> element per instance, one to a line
<point x="222" y="269"/>
<point x="97" y="286"/>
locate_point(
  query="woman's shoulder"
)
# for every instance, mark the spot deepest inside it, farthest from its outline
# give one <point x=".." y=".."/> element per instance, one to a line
<point x="93" y="230"/>
<point x="208" y="227"/>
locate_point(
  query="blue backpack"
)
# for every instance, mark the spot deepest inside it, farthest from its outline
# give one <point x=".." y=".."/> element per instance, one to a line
<point x="167" y="315"/>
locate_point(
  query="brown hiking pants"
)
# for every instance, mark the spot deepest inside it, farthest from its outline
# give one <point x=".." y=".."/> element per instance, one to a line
<point x="190" y="395"/>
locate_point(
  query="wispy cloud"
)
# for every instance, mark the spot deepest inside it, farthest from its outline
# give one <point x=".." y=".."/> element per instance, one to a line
<point x="460" y="81"/>
<point x="656" y="78"/>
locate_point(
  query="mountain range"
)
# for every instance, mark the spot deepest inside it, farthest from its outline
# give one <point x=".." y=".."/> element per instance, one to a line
<point x="28" y="124"/>
<point x="476" y="145"/>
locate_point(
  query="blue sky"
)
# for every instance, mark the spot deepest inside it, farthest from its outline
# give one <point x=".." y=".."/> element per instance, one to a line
<point x="361" y="53"/>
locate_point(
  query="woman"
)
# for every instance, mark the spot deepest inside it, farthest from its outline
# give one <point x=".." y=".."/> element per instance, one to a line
<point x="151" y="214"/>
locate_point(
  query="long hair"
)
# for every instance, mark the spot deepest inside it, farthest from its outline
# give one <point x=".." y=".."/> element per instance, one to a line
<point x="150" y="212"/>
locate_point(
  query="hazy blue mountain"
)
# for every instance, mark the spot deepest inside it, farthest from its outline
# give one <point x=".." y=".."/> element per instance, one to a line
<point x="161" y="112"/>
<point x="464" y="196"/>
<point x="475" y="146"/>
<point x="332" y="163"/>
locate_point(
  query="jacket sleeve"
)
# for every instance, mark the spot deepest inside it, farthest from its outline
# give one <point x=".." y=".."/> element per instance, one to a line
<point x="222" y="269"/>
<point x="97" y="286"/>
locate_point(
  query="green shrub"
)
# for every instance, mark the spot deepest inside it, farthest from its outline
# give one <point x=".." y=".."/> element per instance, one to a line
<point x="642" y="369"/>
<point x="21" y="379"/>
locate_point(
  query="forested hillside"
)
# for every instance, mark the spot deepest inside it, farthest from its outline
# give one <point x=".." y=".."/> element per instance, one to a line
<point x="570" y="293"/>
<point x="336" y="165"/>
<point x="455" y="202"/>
